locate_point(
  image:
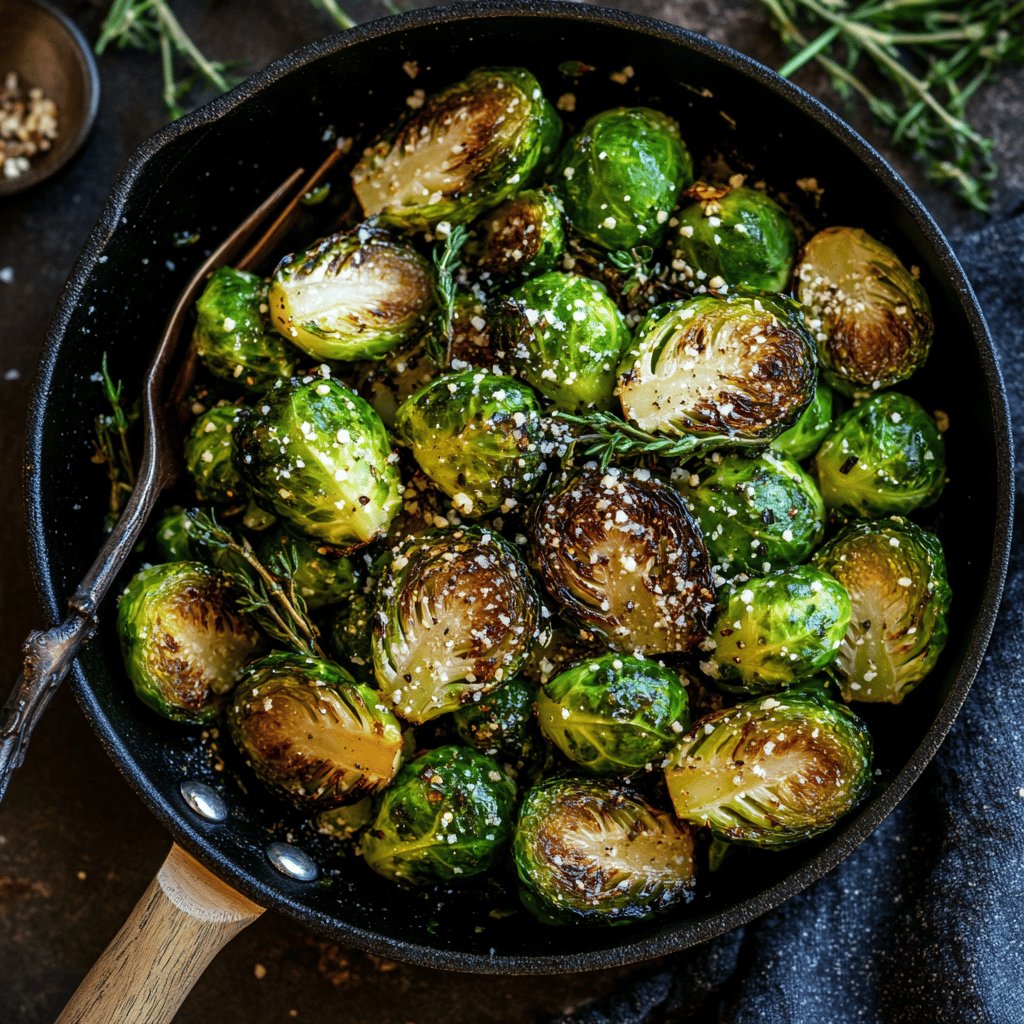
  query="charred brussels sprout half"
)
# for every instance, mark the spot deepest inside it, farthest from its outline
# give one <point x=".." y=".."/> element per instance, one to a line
<point x="320" y="458"/>
<point x="447" y="816"/>
<point x="322" y="575"/>
<point x="756" y="513"/>
<point x="352" y="296"/>
<point x="621" y="555"/>
<point x="464" y="150"/>
<point x="739" y="369"/>
<point x="478" y="436"/>
<point x="733" y="237"/>
<point x="621" y="175"/>
<point x="455" y="614"/>
<point x="210" y="455"/>
<point x="564" y="334"/>
<point x="895" y="574"/>
<point x="872" y="317"/>
<point x="886" y="455"/>
<point x="804" y="437"/>
<point x="311" y="733"/>
<point x="350" y="631"/>
<point x="772" y="772"/>
<point x="589" y="854"/>
<point x="778" y="628"/>
<point x="523" y="236"/>
<point x="614" y="715"/>
<point x="232" y="337"/>
<point x="184" y="639"/>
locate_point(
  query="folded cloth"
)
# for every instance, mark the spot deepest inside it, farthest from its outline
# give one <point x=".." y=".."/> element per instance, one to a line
<point x="924" y="923"/>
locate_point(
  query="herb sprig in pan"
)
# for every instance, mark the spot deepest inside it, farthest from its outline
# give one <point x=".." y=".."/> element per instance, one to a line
<point x="112" y="449"/>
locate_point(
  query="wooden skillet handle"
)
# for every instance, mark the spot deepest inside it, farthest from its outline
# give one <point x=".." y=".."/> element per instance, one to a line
<point x="180" y="924"/>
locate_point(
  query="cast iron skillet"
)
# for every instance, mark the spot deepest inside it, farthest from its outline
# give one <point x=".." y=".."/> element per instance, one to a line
<point x="205" y="172"/>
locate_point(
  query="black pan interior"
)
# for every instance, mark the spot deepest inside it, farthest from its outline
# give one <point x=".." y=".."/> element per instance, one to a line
<point x="204" y="174"/>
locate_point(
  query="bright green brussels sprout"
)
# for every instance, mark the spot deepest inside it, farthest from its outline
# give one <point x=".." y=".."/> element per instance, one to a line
<point x="322" y="575"/>
<point x="523" y="236"/>
<point x="756" y="512"/>
<point x="464" y="150"/>
<point x="614" y="715"/>
<point x="885" y="455"/>
<point x="775" y="629"/>
<point x="733" y="236"/>
<point x="350" y="630"/>
<point x="210" y="455"/>
<point x="895" y="574"/>
<point x="774" y="771"/>
<point x="803" y="438"/>
<point x="564" y="334"/>
<point x="172" y="536"/>
<point x="733" y="370"/>
<point x="319" y="456"/>
<point x="456" y="612"/>
<point x="621" y="554"/>
<point x="345" y="822"/>
<point x="311" y="733"/>
<point x="590" y="854"/>
<point x="872" y="318"/>
<point x="447" y="816"/>
<point x="478" y="436"/>
<point x="232" y="337"/>
<point x="354" y="295"/>
<point x="621" y="175"/>
<point x="184" y="639"/>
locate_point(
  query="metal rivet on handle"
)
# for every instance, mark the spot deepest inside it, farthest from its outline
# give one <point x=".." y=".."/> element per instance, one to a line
<point x="204" y="800"/>
<point x="291" y="861"/>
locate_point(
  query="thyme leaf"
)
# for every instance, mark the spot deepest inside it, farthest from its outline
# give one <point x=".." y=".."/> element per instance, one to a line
<point x="446" y="264"/>
<point x="111" y="444"/>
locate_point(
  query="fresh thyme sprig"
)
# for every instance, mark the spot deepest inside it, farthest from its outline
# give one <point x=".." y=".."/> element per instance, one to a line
<point x="338" y="16"/>
<point x="268" y="591"/>
<point x="111" y="443"/>
<point x="446" y="264"/>
<point x="606" y="437"/>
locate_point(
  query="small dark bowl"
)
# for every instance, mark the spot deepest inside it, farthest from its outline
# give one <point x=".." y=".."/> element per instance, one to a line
<point x="48" y="51"/>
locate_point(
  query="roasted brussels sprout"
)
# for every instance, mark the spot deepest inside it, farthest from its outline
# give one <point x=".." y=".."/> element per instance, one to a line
<point x="464" y="150"/>
<point x="775" y="629"/>
<point x="210" y="455"/>
<point x="621" y="554"/>
<point x="523" y="236"/>
<point x="885" y="455"/>
<point x="478" y="436"/>
<point x="774" y="771"/>
<point x="565" y="335"/>
<point x="322" y="575"/>
<point x="455" y="613"/>
<point x="388" y="382"/>
<point x="803" y="438"/>
<point x="621" y="175"/>
<point x="447" y="816"/>
<point x="590" y="854"/>
<point x="738" y="369"/>
<point x="756" y="512"/>
<point x="614" y="715"/>
<point x="895" y="574"/>
<point x="184" y="639"/>
<point x="872" y="317"/>
<point x="319" y="456"/>
<point x="172" y="536"/>
<point x="311" y="733"/>
<point x="354" y="295"/>
<point x="350" y="631"/>
<point x="232" y="337"/>
<point x="733" y="236"/>
<point x="558" y="649"/>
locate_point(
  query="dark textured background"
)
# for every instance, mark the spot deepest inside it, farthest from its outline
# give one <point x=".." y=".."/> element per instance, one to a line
<point x="77" y="847"/>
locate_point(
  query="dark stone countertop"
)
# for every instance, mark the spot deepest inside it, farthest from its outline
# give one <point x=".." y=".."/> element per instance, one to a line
<point x="77" y="848"/>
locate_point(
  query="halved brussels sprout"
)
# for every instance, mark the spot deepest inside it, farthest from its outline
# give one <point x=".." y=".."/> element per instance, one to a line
<point x="351" y="629"/>
<point x="523" y="236"/>
<point x="322" y="575"/>
<point x="467" y="148"/>
<point x="756" y="512"/>
<point x="456" y="612"/>
<point x="354" y="295"/>
<point x="621" y="175"/>
<point x="184" y="639"/>
<point x="447" y="816"/>
<point x="774" y="771"/>
<point x="733" y="236"/>
<point x="319" y="456"/>
<point x="478" y="436"/>
<point x="805" y="436"/>
<point x="232" y="337"/>
<point x="614" y="715"/>
<point x="311" y="733"/>
<point x="622" y="555"/>
<point x="587" y="853"/>
<point x="739" y="369"/>
<point x="872" y="317"/>
<point x="565" y="335"/>
<point x="895" y="574"/>
<point x="885" y="455"/>
<point x="210" y="455"/>
<point x="775" y="629"/>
